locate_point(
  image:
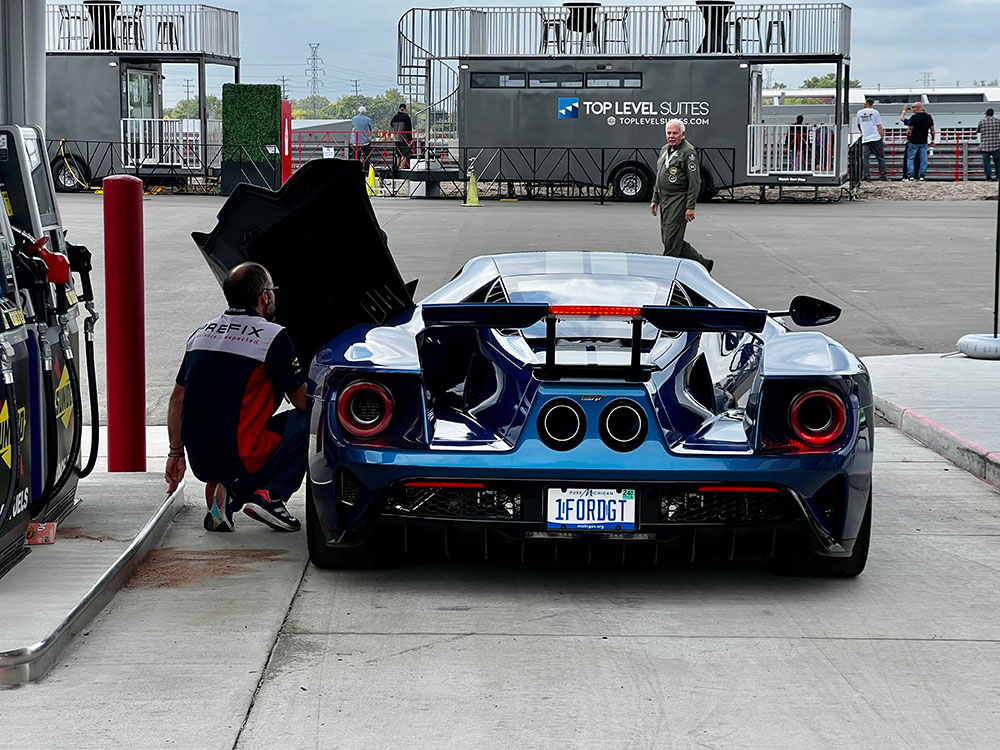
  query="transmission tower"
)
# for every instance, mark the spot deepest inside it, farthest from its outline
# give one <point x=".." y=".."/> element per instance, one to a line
<point x="770" y="77"/>
<point x="187" y="88"/>
<point x="314" y="71"/>
<point x="927" y="78"/>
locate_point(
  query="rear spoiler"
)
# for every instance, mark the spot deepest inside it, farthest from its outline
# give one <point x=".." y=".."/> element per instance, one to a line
<point x="663" y="317"/>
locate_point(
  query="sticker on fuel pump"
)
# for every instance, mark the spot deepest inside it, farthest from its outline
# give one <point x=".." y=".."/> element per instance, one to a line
<point x="71" y="297"/>
<point x="3" y="151"/>
<point x="5" y="435"/>
<point x="6" y="202"/>
<point x="64" y="398"/>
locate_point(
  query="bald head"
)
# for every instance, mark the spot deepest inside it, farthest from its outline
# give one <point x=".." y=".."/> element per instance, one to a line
<point x="244" y="284"/>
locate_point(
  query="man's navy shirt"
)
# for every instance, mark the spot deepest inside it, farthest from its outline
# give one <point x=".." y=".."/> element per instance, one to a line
<point x="235" y="371"/>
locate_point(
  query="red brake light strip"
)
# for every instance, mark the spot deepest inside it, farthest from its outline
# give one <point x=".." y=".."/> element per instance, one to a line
<point x="736" y="488"/>
<point x="456" y="485"/>
<point x="595" y="310"/>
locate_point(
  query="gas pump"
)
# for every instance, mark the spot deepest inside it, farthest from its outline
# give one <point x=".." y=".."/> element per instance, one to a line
<point x="49" y="303"/>
<point x="15" y="428"/>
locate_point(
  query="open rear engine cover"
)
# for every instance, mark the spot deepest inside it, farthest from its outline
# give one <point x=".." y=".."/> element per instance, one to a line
<point x="319" y="238"/>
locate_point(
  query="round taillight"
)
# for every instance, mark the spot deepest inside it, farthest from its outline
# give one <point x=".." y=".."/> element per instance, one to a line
<point x="818" y="417"/>
<point x="364" y="409"/>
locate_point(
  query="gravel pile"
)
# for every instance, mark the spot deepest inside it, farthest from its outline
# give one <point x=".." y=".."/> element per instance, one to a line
<point x="928" y="191"/>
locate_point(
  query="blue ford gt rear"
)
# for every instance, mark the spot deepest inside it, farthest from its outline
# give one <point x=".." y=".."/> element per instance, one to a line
<point x="572" y="404"/>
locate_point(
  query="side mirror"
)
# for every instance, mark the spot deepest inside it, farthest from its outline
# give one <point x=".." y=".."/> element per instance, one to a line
<point x="809" y="311"/>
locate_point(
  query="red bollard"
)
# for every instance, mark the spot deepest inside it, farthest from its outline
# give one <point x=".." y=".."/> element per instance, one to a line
<point x="124" y="296"/>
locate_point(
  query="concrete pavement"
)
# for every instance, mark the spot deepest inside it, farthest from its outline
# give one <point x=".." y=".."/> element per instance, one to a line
<point x="232" y="641"/>
<point x="949" y="403"/>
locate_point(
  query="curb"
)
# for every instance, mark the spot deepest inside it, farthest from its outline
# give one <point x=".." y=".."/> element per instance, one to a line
<point x="21" y="665"/>
<point x="974" y="458"/>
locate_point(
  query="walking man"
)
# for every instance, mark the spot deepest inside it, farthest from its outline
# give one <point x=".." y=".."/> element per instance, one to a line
<point x="235" y="372"/>
<point x="869" y="124"/>
<point x="675" y="192"/>
<point x="917" y="129"/>
<point x="989" y="143"/>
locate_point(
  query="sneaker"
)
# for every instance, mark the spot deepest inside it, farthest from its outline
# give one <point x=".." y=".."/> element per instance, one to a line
<point x="909" y="179"/>
<point x="220" y="510"/>
<point x="273" y="513"/>
<point x="921" y="180"/>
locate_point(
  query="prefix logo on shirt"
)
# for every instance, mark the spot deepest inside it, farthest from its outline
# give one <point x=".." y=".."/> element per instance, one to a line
<point x="569" y="107"/>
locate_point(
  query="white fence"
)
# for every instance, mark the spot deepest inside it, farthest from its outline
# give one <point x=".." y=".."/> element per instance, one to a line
<point x="169" y="143"/>
<point x="133" y="28"/>
<point x="795" y="150"/>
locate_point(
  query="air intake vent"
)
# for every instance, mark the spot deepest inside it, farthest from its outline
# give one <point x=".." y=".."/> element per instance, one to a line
<point x="349" y="487"/>
<point x="679" y="296"/>
<point x="497" y="293"/>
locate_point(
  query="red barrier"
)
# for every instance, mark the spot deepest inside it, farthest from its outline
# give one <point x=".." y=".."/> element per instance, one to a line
<point x="286" y="140"/>
<point x="125" y="323"/>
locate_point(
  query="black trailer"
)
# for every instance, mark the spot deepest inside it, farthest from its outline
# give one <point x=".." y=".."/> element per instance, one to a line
<point x="104" y="90"/>
<point x="579" y="95"/>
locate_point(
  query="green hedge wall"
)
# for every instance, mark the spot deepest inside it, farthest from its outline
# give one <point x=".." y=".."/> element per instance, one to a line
<point x="251" y="116"/>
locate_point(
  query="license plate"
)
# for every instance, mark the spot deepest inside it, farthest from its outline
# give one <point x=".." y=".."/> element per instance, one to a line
<point x="583" y="508"/>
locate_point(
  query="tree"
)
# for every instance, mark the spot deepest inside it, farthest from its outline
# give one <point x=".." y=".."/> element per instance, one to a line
<point x="778" y="85"/>
<point x="187" y="109"/>
<point x="828" y="81"/>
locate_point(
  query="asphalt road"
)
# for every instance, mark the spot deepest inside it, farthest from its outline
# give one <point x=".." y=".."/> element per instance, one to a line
<point x="233" y="641"/>
<point x="911" y="276"/>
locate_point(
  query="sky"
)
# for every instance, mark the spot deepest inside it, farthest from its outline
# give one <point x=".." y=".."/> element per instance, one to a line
<point x="893" y="43"/>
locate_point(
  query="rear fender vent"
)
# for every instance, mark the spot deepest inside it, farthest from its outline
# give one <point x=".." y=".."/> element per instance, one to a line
<point x="349" y="487"/>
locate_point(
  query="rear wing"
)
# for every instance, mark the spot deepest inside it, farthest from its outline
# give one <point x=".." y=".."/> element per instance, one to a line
<point x="663" y="317"/>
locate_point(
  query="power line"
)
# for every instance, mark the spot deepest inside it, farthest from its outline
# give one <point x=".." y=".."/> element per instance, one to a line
<point x="284" y="86"/>
<point x="314" y="72"/>
<point x="357" y="85"/>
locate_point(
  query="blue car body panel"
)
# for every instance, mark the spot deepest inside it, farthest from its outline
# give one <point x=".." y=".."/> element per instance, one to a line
<point x="467" y="401"/>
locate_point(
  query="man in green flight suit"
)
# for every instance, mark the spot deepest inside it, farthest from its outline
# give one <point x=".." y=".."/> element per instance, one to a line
<point x="675" y="192"/>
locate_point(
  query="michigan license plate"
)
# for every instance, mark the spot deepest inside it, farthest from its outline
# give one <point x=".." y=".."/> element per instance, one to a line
<point x="598" y="509"/>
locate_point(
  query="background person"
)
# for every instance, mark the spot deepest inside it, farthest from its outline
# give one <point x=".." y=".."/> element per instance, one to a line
<point x="235" y="371"/>
<point x="989" y="143"/>
<point x="920" y="124"/>
<point x="869" y="123"/>
<point x="402" y="128"/>
<point x="361" y="134"/>
<point x="675" y="192"/>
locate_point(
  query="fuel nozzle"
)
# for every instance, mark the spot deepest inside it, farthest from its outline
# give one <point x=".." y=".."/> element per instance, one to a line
<point x="33" y="277"/>
<point x="80" y="263"/>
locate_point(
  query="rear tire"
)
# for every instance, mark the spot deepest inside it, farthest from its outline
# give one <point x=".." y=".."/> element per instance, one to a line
<point x="633" y="183"/>
<point x="370" y="553"/>
<point x="63" y="178"/>
<point x="798" y="560"/>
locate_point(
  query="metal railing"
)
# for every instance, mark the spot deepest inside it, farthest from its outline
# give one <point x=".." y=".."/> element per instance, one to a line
<point x="178" y="143"/>
<point x="91" y="161"/>
<point x="821" y="29"/>
<point x="139" y="28"/>
<point x="810" y="150"/>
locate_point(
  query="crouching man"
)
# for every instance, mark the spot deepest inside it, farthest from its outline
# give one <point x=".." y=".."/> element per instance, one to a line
<point x="236" y="370"/>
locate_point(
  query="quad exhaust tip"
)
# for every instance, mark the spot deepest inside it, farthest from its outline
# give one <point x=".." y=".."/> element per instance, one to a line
<point x="562" y="424"/>
<point x="623" y="425"/>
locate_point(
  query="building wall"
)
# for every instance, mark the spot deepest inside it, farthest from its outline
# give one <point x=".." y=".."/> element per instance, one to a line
<point x="84" y="98"/>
